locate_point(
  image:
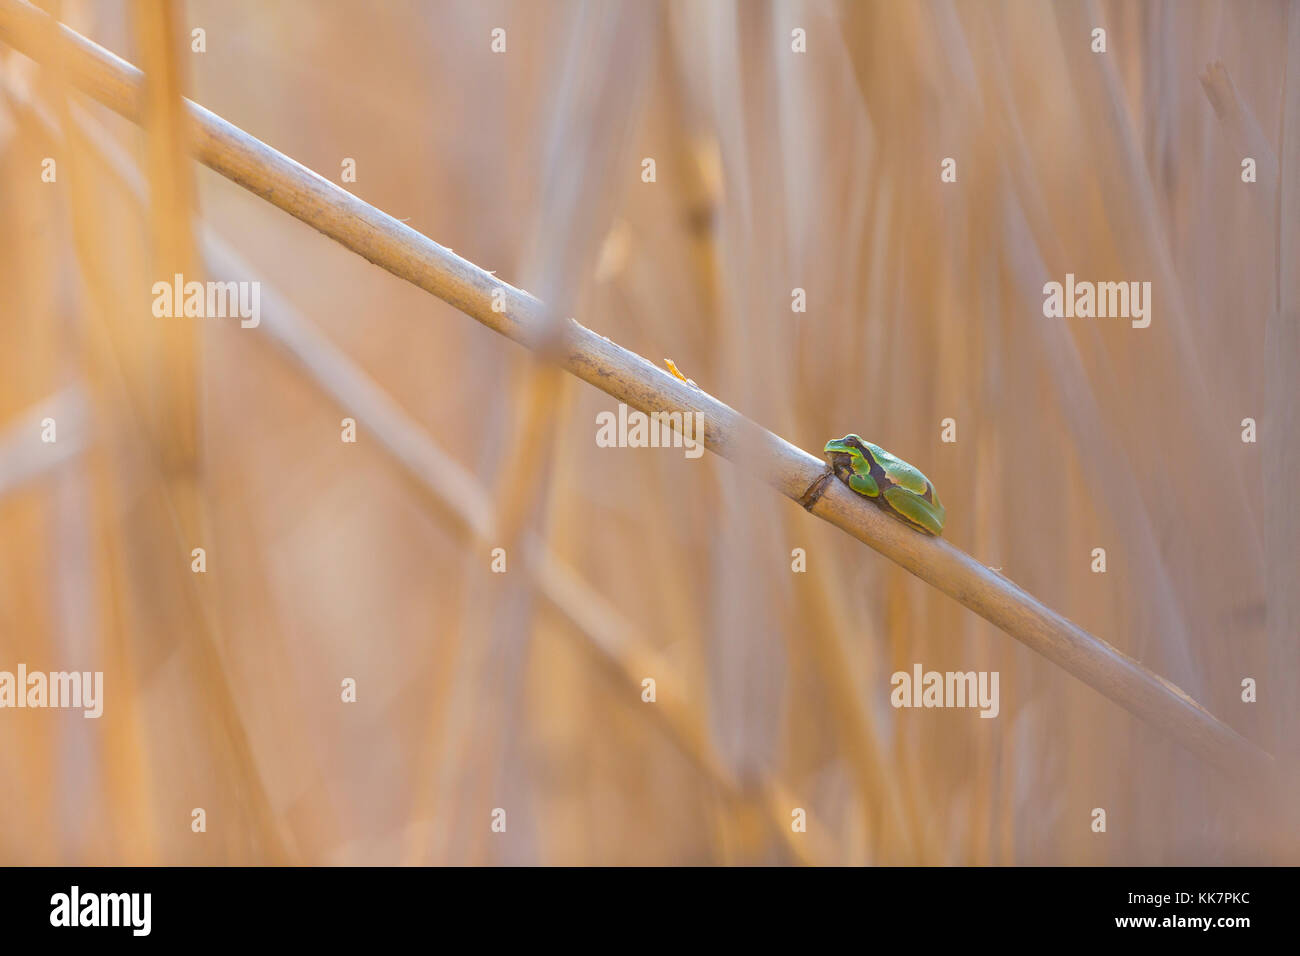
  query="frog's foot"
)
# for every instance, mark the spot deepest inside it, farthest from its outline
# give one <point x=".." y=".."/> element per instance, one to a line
<point x="814" y="491"/>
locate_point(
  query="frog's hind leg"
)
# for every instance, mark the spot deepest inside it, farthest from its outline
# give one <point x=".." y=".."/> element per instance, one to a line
<point x="915" y="511"/>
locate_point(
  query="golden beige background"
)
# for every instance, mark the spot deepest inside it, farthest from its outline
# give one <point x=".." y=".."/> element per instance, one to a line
<point x="775" y="171"/>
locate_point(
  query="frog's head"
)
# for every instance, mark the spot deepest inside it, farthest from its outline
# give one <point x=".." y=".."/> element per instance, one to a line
<point x="847" y="456"/>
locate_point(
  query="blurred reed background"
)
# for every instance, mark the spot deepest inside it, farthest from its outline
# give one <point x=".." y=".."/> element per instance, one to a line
<point x="774" y="170"/>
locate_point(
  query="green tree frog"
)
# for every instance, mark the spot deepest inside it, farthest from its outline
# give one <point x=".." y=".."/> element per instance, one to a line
<point x="896" y="487"/>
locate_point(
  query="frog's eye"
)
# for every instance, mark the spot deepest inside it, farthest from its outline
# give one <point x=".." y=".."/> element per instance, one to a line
<point x="853" y="441"/>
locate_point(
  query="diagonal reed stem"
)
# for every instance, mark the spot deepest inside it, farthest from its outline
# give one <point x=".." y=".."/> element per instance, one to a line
<point x="453" y="494"/>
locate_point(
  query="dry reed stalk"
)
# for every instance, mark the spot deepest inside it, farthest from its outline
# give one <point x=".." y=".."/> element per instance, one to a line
<point x="1131" y="197"/>
<point x="161" y="519"/>
<point x="458" y="499"/>
<point x="171" y="212"/>
<point x="124" y="775"/>
<point x="466" y="507"/>
<point x="24" y="458"/>
<point x="409" y="255"/>
<point x="1244" y="132"/>
<point x="566" y="591"/>
<point x="1282" y="449"/>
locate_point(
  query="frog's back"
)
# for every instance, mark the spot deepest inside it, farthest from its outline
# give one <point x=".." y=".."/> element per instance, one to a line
<point x="900" y="472"/>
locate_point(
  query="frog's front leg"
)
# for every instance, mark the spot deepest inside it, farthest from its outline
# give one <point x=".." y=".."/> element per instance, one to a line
<point x="864" y="485"/>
